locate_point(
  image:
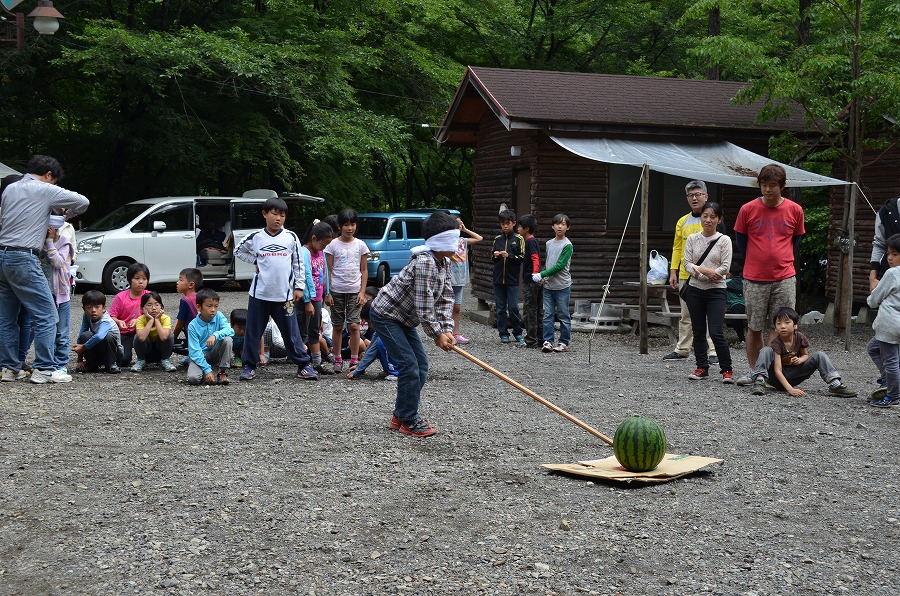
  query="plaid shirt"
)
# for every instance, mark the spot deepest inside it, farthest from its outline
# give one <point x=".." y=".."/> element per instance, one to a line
<point x="421" y="293"/>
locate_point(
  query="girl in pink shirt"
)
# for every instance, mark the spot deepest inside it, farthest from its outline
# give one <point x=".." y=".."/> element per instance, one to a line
<point x="126" y="306"/>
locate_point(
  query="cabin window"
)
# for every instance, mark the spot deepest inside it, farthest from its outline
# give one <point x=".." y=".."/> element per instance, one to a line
<point x="667" y="199"/>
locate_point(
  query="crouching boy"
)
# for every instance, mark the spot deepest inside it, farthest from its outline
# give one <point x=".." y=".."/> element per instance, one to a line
<point x="421" y="294"/>
<point x="209" y="342"/>
<point x="787" y="363"/>
<point x="99" y="343"/>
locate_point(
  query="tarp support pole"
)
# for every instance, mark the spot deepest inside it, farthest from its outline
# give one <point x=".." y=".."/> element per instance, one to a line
<point x="645" y="207"/>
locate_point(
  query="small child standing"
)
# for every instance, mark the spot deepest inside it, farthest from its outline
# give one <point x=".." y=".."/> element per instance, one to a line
<point x="884" y="349"/>
<point x="209" y="342"/>
<point x="317" y="239"/>
<point x="787" y="362"/>
<point x="459" y="275"/>
<point x="153" y="339"/>
<point x="557" y="286"/>
<point x="532" y="293"/>
<point x="346" y="259"/>
<point x="275" y="290"/>
<point x="508" y="253"/>
<point x="98" y="339"/>
<point x="420" y="294"/>
<point x="126" y="306"/>
<point x="190" y="281"/>
<point x="58" y="255"/>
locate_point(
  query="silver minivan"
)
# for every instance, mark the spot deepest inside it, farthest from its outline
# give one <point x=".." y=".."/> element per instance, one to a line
<point x="163" y="234"/>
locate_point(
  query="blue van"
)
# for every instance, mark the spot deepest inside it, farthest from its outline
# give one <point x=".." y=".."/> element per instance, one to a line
<point x="390" y="238"/>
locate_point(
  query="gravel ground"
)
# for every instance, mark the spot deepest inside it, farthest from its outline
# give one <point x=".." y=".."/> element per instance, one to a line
<point x="134" y="484"/>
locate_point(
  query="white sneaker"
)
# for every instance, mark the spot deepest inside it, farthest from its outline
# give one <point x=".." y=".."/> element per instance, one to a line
<point x="745" y="379"/>
<point x="561" y="347"/>
<point x="56" y="376"/>
<point x="22" y="374"/>
<point x="8" y="375"/>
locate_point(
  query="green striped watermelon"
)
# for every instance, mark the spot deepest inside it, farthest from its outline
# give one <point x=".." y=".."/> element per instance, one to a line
<point x="639" y="444"/>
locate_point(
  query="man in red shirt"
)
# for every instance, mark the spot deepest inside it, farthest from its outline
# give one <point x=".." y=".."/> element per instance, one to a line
<point x="767" y="232"/>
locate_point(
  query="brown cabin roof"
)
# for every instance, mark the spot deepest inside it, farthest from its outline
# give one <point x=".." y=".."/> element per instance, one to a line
<point x="570" y="101"/>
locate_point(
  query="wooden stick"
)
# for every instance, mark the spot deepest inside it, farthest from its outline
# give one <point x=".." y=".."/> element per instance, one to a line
<point x="533" y="395"/>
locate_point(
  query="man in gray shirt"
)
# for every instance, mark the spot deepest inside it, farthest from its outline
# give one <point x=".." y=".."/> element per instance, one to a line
<point x="24" y="210"/>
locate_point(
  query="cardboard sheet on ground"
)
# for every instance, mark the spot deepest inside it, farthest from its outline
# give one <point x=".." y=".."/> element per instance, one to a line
<point x="672" y="466"/>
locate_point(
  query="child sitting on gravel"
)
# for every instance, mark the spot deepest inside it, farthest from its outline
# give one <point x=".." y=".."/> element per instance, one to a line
<point x="209" y="341"/>
<point x="153" y="339"/>
<point x="99" y="343"/>
<point x="787" y="362"/>
<point x="421" y="294"/>
<point x="375" y="350"/>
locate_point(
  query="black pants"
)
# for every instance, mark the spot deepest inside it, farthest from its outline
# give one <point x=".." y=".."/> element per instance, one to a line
<point x="154" y="351"/>
<point x="707" y="309"/>
<point x="106" y="353"/>
<point x="258" y="313"/>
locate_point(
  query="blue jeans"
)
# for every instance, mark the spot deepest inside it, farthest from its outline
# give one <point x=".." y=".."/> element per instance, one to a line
<point x="22" y="282"/>
<point x="61" y="353"/>
<point x="556" y="302"/>
<point x="506" y="298"/>
<point x="258" y="313"/>
<point x="405" y="347"/>
<point x="25" y="336"/>
<point x="887" y="359"/>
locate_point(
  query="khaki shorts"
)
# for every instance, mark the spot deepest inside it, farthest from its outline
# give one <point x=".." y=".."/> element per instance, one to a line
<point x="345" y="309"/>
<point x="763" y="299"/>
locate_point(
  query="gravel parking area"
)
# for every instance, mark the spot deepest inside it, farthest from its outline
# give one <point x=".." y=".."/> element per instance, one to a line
<point x="139" y="483"/>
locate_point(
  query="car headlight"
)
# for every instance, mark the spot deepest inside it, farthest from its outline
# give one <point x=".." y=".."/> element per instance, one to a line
<point x="375" y="256"/>
<point x="90" y="244"/>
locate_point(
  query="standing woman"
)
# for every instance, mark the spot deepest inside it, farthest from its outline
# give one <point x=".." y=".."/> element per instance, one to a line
<point x="707" y="259"/>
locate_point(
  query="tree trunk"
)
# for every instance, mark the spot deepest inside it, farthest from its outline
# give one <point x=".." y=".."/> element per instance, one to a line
<point x="715" y="28"/>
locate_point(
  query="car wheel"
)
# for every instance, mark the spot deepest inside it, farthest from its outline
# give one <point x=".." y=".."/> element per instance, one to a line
<point x="383" y="275"/>
<point x="114" y="279"/>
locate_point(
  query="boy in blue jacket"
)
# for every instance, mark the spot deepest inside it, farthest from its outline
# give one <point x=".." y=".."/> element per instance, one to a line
<point x="209" y="341"/>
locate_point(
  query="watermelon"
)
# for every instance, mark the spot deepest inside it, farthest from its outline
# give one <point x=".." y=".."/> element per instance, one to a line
<point x="639" y="444"/>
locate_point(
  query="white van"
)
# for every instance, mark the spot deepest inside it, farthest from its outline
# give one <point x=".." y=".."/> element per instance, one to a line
<point x="163" y="232"/>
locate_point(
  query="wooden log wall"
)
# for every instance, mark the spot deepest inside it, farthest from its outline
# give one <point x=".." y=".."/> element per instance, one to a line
<point x="564" y="182"/>
<point x="880" y="182"/>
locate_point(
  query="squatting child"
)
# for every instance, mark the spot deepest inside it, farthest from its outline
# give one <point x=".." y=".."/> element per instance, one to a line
<point x="557" y="286"/>
<point x="126" y="305"/>
<point x="346" y="259"/>
<point x="209" y="342"/>
<point x="153" y="338"/>
<point x="532" y="293"/>
<point x="374" y="351"/>
<point x="508" y="253"/>
<point x="99" y="343"/>
<point x="275" y="290"/>
<point x="787" y="362"/>
<point x="884" y="349"/>
<point x="190" y="281"/>
<point x="420" y="294"/>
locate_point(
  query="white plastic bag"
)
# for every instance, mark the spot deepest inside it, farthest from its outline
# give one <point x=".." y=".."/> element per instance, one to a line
<point x="659" y="269"/>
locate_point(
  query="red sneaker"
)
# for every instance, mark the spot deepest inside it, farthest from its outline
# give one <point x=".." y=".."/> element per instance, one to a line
<point x="417" y="428"/>
<point x="394" y="424"/>
<point x="728" y="378"/>
<point x="699" y="374"/>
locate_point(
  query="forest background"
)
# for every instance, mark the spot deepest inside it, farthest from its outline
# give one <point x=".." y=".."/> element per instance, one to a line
<point x="342" y="99"/>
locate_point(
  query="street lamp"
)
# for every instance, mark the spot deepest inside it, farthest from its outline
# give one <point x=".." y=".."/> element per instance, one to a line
<point x="45" y="20"/>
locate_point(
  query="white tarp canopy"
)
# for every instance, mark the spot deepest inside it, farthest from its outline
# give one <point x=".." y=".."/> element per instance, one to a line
<point x="5" y="170"/>
<point x="722" y="162"/>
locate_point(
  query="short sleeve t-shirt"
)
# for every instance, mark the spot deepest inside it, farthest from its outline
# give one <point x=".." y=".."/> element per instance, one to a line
<point x="459" y="264"/>
<point x="317" y="268"/>
<point x="187" y="309"/>
<point x="770" y="235"/>
<point x="126" y="308"/>
<point x="800" y="342"/>
<point x="143" y="320"/>
<point x="346" y="277"/>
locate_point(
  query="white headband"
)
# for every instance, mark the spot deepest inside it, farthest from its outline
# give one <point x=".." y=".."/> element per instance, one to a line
<point x="444" y="242"/>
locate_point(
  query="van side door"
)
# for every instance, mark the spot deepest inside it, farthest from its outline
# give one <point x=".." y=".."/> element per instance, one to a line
<point x="170" y="246"/>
